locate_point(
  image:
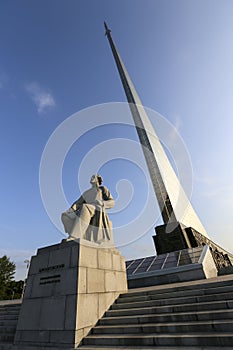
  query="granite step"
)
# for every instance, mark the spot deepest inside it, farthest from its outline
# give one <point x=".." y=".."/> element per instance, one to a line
<point x="8" y="338"/>
<point x="157" y="295"/>
<point x="169" y="317"/>
<point x="10" y="306"/>
<point x="135" y="347"/>
<point x="180" y="300"/>
<point x="8" y="322"/>
<point x="183" y="286"/>
<point x="187" y="316"/>
<point x="150" y="308"/>
<point x="6" y="346"/>
<point x="7" y="329"/>
<point x="9" y="317"/>
<point x="9" y="312"/>
<point x="173" y="327"/>
<point x="5" y="310"/>
<point x="178" y="339"/>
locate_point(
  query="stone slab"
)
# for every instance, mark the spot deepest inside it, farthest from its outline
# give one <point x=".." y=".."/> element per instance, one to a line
<point x="69" y="288"/>
<point x="104" y="259"/>
<point x="95" y="281"/>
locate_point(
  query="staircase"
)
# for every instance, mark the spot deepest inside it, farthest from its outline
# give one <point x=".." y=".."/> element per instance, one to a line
<point x="188" y="315"/>
<point x="9" y="312"/>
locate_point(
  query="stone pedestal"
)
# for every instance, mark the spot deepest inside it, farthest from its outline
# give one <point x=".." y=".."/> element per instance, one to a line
<point x="69" y="287"/>
<point x="170" y="238"/>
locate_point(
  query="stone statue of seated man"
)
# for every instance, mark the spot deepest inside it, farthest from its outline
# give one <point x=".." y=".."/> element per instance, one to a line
<point x="87" y="217"/>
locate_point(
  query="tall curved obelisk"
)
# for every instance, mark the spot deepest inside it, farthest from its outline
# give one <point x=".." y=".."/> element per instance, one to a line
<point x="176" y="210"/>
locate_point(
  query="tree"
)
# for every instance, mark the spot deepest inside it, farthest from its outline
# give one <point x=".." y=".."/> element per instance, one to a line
<point x="14" y="290"/>
<point x="7" y="270"/>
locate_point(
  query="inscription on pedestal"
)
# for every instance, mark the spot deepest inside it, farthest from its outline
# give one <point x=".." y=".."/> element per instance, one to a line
<point x="50" y="279"/>
<point x="51" y="268"/>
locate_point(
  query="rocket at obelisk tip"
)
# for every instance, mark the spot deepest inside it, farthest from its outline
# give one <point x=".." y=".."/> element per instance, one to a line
<point x="108" y="31"/>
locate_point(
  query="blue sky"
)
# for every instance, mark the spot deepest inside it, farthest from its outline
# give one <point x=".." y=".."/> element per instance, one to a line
<point x="56" y="61"/>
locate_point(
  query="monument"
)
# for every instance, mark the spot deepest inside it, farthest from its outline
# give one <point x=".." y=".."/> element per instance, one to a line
<point x="182" y="228"/>
<point x="70" y="285"/>
<point x="87" y="216"/>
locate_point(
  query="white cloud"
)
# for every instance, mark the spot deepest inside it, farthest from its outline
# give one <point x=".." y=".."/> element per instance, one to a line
<point x="42" y="98"/>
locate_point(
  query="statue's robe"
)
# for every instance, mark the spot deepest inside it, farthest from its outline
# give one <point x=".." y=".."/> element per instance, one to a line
<point x="87" y="217"/>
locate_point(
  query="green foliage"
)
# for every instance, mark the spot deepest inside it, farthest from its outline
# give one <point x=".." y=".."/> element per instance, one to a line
<point x="7" y="270"/>
<point x="14" y="289"/>
<point x="9" y="289"/>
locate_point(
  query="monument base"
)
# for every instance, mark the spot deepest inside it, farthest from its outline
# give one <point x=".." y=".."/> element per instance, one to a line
<point x="69" y="287"/>
<point x="175" y="236"/>
<point x="170" y="238"/>
<point x="181" y="266"/>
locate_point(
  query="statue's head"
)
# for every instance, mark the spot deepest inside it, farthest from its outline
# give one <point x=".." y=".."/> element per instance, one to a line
<point x="96" y="179"/>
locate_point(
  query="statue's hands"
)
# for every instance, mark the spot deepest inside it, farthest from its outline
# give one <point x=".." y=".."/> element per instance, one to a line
<point x="109" y="203"/>
<point x="99" y="203"/>
<point x="106" y="204"/>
